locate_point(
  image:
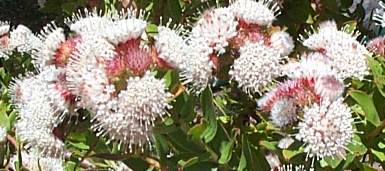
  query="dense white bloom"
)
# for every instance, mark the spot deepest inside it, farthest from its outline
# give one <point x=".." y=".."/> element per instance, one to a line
<point x="329" y="87"/>
<point x="256" y="67"/>
<point x="23" y="39"/>
<point x="41" y="108"/>
<point x="3" y="134"/>
<point x="342" y="51"/>
<point x="88" y="23"/>
<point x="283" y="112"/>
<point x="86" y="75"/>
<point x="34" y="163"/>
<point x="123" y="30"/>
<point x="4" y="28"/>
<point x="283" y="42"/>
<point x="170" y="47"/>
<point x="216" y="27"/>
<point x="52" y="37"/>
<point x="130" y="116"/>
<point x="310" y="65"/>
<point x="261" y="12"/>
<point x="326" y="129"/>
<point x="197" y="69"/>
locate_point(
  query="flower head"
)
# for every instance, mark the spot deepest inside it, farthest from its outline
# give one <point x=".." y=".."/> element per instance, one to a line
<point x="170" y="47"/>
<point x="23" y="40"/>
<point x="377" y="45"/>
<point x="216" y="27"/>
<point x="284" y="112"/>
<point x="261" y="12"/>
<point x="283" y="42"/>
<point x="256" y="67"/>
<point x="197" y="69"/>
<point x="326" y="129"/>
<point x="130" y="116"/>
<point x="85" y="22"/>
<point x="342" y="51"/>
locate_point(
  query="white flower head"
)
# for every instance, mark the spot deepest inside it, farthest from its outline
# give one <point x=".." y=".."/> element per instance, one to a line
<point x="310" y="65"/>
<point x="261" y="12"/>
<point x="170" y="47"/>
<point x="4" y="28"/>
<point x="329" y="87"/>
<point x="283" y="112"/>
<point x="85" y="22"/>
<point x="52" y="37"/>
<point x="23" y="40"/>
<point x="326" y="129"/>
<point x="256" y="67"/>
<point x="342" y="51"/>
<point x="283" y="42"/>
<point x="216" y="27"/>
<point x="197" y="68"/>
<point x="86" y="74"/>
<point x="291" y="167"/>
<point x="130" y="116"/>
<point x="34" y="162"/>
<point x="123" y="30"/>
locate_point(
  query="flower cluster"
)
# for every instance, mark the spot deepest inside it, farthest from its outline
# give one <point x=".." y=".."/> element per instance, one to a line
<point x="313" y="93"/>
<point x="104" y="67"/>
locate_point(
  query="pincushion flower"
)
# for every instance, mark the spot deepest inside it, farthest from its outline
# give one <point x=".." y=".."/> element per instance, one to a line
<point x="41" y="108"/>
<point x="23" y="40"/>
<point x="377" y="45"/>
<point x="283" y="112"/>
<point x="130" y="116"/>
<point x="342" y="51"/>
<point x="55" y="49"/>
<point x="4" y="39"/>
<point x="170" y="47"/>
<point x="87" y="71"/>
<point x="197" y="68"/>
<point x="216" y="27"/>
<point x="85" y="22"/>
<point x="256" y="67"/>
<point x="326" y="129"/>
<point x="261" y="12"/>
<point x="283" y="42"/>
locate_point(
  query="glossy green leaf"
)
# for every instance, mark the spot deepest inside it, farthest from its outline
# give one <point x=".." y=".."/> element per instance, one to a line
<point x="209" y="115"/>
<point x="366" y="103"/>
<point x="226" y="152"/>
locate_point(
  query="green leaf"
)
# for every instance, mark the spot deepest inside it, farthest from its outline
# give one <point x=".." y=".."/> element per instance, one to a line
<point x="366" y="167"/>
<point x="288" y="154"/>
<point x="379" y="155"/>
<point x="209" y="115"/>
<point x="269" y="145"/>
<point x="242" y="162"/>
<point x="367" y="105"/>
<point x="332" y="162"/>
<point x="196" y="131"/>
<point x="226" y="152"/>
<point x="80" y="145"/>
